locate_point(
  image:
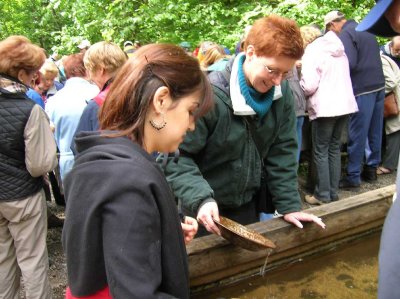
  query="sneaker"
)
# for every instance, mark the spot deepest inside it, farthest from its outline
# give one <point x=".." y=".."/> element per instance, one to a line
<point x="310" y="199"/>
<point x="346" y="185"/>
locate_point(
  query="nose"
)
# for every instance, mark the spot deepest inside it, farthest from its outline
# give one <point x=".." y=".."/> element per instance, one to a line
<point x="276" y="80"/>
<point x="192" y="125"/>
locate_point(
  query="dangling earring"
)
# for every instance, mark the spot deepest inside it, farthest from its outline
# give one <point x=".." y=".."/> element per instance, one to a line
<point x="158" y="126"/>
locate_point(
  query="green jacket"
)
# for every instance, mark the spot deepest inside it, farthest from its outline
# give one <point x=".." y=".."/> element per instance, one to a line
<point x="220" y="160"/>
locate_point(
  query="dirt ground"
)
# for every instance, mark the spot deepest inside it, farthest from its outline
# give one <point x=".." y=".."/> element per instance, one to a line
<point x="57" y="263"/>
<point x="58" y="267"/>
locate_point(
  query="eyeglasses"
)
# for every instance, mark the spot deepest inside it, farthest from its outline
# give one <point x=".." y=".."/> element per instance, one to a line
<point x="275" y="73"/>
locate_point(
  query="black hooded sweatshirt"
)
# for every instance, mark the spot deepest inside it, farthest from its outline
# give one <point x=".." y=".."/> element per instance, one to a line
<point x="122" y="227"/>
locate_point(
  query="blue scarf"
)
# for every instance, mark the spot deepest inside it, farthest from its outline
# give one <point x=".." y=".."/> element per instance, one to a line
<point x="259" y="102"/>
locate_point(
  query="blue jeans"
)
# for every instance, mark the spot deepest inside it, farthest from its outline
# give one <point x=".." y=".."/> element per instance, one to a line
<point x="326" y="133"/>
<point x="299" y="129"/>
<point x="365" y="125"/>
<point x="265" y="216"/>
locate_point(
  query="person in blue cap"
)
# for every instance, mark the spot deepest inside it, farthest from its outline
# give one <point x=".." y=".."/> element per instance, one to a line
<point x="186" y="46"/>
<point x="384" y="20"/>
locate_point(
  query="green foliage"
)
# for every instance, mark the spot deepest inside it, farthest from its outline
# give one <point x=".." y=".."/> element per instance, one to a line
<point x="59" y="25"/>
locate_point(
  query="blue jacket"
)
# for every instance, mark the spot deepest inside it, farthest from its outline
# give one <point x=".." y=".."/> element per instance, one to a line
<point x="64" y="110"/>
<point x="362" y="50"/>
<point x="89" y="121"/>
<point x="35" y="96"/>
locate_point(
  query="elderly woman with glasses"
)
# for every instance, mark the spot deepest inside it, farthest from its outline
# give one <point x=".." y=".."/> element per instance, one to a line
<point x="241" y="158"/>
<point x="27" y="152"/>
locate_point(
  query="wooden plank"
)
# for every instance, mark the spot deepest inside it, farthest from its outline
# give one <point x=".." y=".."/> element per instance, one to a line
<point x="213" y="259"/>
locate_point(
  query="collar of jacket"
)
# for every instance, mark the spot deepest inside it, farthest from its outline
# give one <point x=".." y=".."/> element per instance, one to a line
<point x="12" y="85"/>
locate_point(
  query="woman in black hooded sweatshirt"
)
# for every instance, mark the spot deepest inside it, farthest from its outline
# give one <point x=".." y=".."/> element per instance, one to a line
<point x="122" y="234"/>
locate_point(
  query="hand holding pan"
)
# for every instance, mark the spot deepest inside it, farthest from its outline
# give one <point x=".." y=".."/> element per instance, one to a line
<point x="242" y="236"/>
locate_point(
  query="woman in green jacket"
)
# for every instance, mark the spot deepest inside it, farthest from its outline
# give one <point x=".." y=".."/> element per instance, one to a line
<point x="250" y="133"/>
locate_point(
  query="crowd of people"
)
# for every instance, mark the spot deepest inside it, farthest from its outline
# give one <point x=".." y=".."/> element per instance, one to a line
<point x="159" y="138"/>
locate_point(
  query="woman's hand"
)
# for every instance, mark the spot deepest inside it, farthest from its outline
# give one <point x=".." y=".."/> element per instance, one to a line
<point x="297" y="217"/>
<point x="189" y="227"/>
<point x="206" y="215"/>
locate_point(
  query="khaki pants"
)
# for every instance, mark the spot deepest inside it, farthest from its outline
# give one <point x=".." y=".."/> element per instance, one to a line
<point x="23" y="249"/>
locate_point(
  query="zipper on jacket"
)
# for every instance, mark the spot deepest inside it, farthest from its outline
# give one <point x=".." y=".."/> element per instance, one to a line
<point x="248" y="158"/>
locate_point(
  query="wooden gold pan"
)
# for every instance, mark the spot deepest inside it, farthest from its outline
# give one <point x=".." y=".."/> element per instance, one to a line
<point x="242" y="236"/>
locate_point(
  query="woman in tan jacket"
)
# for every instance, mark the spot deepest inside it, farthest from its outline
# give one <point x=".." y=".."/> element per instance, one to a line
<point x="27" y="152"/>
<point x="390" y="157"/>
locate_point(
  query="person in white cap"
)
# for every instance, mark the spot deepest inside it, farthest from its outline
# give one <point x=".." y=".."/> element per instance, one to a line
<point x="365" y="127"/>
<point x="128" y="48"/>
<point x="84" y="45"/>
<point x="384" y="20"/>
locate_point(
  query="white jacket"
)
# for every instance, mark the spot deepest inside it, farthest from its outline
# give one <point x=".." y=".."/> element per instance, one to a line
<point x="326" y="78"/>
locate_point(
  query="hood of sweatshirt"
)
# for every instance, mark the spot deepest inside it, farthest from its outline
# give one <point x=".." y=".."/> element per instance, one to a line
<point x="96" y="142"/>
<point x="330" y="44"/>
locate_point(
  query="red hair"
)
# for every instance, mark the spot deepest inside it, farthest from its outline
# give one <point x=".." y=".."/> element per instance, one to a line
<point x="18" y="53"/>
<point x="274" y="36"/>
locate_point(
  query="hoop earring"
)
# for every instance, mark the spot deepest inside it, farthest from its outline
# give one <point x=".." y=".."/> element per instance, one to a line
<point x="156" y="125"/>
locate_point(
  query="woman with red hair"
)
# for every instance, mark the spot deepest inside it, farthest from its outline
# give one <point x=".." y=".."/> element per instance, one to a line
<point x="243" y="154"/>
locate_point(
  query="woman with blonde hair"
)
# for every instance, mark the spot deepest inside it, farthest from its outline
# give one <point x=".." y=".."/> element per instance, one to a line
<point x="102" y="62"/>
<point x="309" y="33"/>
<point x="48" y="85"/>
<point x="214" y="59"/>
<point x="122" y="235"/>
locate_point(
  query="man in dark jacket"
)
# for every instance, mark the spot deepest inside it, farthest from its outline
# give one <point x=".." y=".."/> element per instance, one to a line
<point x="365" y="127"/>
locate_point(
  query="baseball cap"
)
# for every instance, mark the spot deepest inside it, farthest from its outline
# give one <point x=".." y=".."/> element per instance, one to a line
<point x="84" y="44"/>
<point x="128" y="43"/>
<point x="333" y="15"/>
<point x="375" y="21"/>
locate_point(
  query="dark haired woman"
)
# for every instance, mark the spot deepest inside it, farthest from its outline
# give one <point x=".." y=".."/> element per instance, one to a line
<point x="122" y="234"/>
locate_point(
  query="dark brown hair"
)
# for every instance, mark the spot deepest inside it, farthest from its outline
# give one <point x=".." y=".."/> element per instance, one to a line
<point x="275" y="36"/>
<point x="151" y="67"/>
<point x="73" y="66"/>
<point x="18" y="53"/>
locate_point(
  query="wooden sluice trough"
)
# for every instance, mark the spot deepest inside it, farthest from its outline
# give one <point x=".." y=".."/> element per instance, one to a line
<point x="214" y="262"/>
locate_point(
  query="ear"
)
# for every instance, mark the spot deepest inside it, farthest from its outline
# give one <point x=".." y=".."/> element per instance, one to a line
<point x="21" y="75"/>
<point x="161" y="99"/>
<point x="250" y="52"/>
